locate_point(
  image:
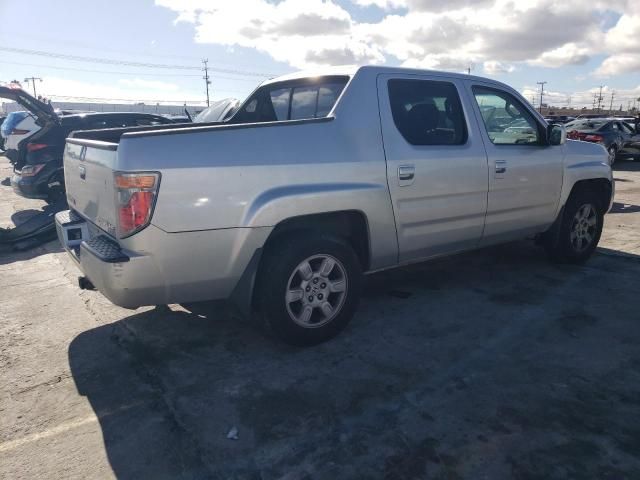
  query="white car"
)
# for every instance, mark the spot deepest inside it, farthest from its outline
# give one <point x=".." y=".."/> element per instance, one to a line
<point x="17" y="127"/>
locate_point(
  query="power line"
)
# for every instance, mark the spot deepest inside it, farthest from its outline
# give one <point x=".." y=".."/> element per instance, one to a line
<point x="192" y="75"/>
<point x="74" y="98"/>
<point x="93" y="46"/>
<point x="110" y="61"/>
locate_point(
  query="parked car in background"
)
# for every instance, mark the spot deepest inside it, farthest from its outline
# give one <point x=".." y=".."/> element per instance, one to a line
<point x="586" y="116"/>
<point x="38" y="170"/>
<point x="559" y="119"/>
<point x="631" y="148"/>
<point x="218" y="111"/>
<point x="17" y="127"/>
<point x="318" y="178"/>
<point x="609" y="133"/>
<point x="2" y="118"/>
<point x="178" y="118"/>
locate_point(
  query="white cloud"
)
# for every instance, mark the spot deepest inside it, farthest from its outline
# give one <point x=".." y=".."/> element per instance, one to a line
<point x="618" y="64"/>
<point x="569" y="54"/>
<point x="492" y="67"/>
<point x="498" y="34"/>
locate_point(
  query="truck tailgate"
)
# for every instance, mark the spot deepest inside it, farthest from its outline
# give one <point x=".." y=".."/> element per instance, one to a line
<point x="88" y="172"/>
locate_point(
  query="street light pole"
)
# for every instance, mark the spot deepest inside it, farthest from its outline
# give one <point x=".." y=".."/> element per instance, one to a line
<point x="541" y="93"/>
<point x="33" y="83"/>
<point x="206" y="77"/>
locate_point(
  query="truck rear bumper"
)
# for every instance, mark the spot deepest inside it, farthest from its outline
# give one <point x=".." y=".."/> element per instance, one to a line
<point x="186" y="267"/>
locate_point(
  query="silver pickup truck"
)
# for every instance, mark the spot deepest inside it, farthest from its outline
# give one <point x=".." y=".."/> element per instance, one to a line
<point x="317" y="179"/>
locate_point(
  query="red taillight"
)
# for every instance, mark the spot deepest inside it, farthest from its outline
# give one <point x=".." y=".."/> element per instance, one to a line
<point x="593" y="138"/>
<point x="135" y="213"/>
<point x="33" y="147"/>
<point x="18" y="131"/>
<point x="136" y="194"/>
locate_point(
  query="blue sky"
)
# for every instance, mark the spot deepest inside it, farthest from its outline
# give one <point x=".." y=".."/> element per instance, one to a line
<point x="574" y="48"/>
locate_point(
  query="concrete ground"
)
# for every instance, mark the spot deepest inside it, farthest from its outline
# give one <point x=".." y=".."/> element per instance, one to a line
<point x="490" y="365"/>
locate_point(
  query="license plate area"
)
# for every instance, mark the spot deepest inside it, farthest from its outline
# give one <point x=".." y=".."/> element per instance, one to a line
<point x="75" y="234"/>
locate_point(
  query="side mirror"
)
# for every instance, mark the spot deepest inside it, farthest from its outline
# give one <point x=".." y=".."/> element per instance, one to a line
<point x="556" y="134"/>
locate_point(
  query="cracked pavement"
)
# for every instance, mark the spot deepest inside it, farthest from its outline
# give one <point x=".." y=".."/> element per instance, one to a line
<point x="493" y="364"/>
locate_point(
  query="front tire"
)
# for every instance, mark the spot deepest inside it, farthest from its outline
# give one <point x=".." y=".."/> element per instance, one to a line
<point x="579" y="230"/>
<point x="309" y="287"/>
<point x="612" y="152"/>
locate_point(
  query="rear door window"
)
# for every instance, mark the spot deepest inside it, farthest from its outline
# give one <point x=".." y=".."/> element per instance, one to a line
<point x="427" y="112"/>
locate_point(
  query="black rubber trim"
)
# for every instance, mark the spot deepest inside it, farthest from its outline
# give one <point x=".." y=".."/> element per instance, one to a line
<point x="213" y="128"/>
<point x="104" y="249"/>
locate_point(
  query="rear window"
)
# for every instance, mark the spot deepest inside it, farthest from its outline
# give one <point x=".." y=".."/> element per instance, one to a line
<point x="301" y="99"/>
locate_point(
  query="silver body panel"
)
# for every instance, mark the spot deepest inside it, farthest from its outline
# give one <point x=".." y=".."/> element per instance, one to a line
<point x="224" y="189"/>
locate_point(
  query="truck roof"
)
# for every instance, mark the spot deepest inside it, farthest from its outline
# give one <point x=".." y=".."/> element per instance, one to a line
<point x="375" y="69"/>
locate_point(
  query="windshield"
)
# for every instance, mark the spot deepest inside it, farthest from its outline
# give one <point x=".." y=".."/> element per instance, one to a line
<point x="13" y="119"/>
<point x="294" y="100"/>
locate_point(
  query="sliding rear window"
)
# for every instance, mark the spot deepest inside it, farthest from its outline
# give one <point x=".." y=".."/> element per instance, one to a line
<point x="295" y="100"/>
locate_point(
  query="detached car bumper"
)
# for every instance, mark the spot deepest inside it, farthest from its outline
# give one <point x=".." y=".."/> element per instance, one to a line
<point x="29" y="187"/>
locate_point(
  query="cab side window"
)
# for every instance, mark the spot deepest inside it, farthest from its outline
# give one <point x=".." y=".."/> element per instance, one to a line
<point x="506" y="119"/>
<point x="427" y="112"/>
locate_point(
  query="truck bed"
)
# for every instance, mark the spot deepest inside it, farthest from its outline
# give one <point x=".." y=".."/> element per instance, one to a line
<point x="113" y="135"/>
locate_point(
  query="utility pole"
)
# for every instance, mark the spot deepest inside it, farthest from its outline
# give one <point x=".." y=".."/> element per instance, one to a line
<point x="600" y="97"/>
<point x="595" y="99"/>
<point x="33" y="83"/>
<point x="207" y="82"/>
<point x="613" y="93"/>
<point x="541" y="93"/>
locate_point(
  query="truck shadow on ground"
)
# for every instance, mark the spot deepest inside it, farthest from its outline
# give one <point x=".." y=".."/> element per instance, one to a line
<point x="494" y="364"/>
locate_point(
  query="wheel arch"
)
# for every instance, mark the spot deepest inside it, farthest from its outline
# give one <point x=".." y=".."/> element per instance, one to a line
<point x="350" y="225"/>
<point x="602" y="187"/>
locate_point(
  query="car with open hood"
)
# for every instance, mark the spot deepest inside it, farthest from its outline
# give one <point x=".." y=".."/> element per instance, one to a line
<point x="37" y="158"/>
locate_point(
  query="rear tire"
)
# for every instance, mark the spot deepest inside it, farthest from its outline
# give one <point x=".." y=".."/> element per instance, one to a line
<point x="309" y="287"/>
<point x="577" y="234"/>
<point x="56" y="192"/>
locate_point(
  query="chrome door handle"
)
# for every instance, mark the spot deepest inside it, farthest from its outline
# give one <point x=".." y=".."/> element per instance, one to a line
<point x="406" y="174"/>
<point x="501" y="167"/>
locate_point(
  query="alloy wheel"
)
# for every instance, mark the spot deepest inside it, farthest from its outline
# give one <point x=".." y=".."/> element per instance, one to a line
<point x="583" y="228"/>
<point x="316" y="291"/>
